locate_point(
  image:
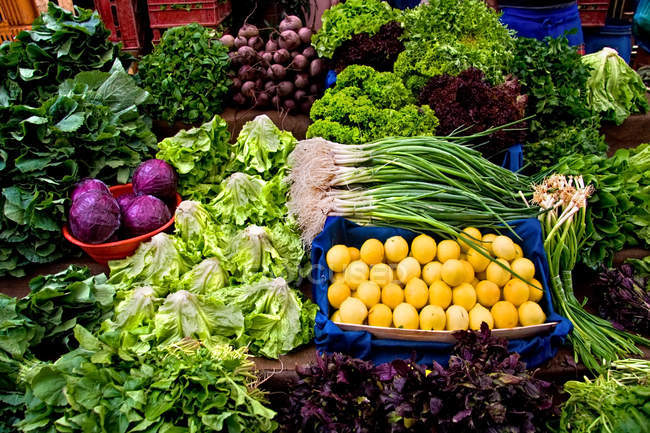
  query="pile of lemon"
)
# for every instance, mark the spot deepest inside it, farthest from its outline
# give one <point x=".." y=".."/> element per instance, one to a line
<point x="434" y="286"/>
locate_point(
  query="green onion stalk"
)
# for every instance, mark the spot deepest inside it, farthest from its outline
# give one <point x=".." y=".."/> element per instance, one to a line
<point x="595" y="341"/>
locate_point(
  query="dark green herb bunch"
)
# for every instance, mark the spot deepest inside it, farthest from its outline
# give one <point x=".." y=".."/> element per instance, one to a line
<point x="186" y="75"/>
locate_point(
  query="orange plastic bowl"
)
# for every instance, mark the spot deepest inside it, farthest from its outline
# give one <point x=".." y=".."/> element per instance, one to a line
<point x="102" y="253"/>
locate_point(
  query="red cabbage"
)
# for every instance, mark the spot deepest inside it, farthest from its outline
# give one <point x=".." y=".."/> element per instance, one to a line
<point x="86" y="185"/>
<point x="157" y="178"/>
<point x="94" y="217"/>
<point x="145" y="214"/>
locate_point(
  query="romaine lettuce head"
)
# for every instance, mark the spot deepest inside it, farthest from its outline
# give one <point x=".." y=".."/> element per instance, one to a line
<point x="184" y="314"/>
<point x="205" y="278"/>
<point x="198" y="230"/>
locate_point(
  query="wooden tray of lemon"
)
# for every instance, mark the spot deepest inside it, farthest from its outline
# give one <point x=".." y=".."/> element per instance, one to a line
<point x="428" y="290"/>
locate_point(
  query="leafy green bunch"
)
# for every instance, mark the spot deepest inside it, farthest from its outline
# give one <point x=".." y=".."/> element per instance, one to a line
<point x="366" y="105"/>
<point x="186" y="74"/>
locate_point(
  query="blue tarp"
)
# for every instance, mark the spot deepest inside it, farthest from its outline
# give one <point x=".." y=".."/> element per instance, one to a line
<point x="330" y="338"/>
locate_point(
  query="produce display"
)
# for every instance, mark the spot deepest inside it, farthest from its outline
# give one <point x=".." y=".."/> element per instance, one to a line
<point x="446" y="285"/>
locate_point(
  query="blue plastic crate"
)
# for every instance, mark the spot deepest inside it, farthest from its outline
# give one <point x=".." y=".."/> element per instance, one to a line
<point x="618" y="37"/>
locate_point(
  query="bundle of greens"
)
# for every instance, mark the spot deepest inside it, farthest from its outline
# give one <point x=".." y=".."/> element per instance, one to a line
<point x="614" y="88"/>
<point x="367" y="105"/>
<point x="618" y="401"/>
<point x="553" y="75"/>
<point x="343" y="20"/>
<point x="187" y="74"/>
<point x="619" y="212"/>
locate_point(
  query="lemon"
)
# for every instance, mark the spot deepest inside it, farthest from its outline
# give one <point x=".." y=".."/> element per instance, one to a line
<point x="380" y="315"/>
<point x="478" y="261"/>
<point x="356" y="273"/>
<point x="353" y="311"/>
<point x="505" y="315"/>
<point x="396" y="249"/>
<point x="354" y="253"/>
<point x="408" y="268"/>
<point x="536" y="292"/>
<point x="431" y="272"/>
<point x="497" y="274"/>
<point x="524" y="268"/>
<point x="440" y="294"/>
<point x="503" y="247"/>
<point x="416" y="293"/>
<point x="405" y="316"/>
<point x="369" y="292"/>
<point x="338" y="258"/>
<point x="487" y="242"/>
<point x="372" y="252"/>
<point x="530" y="313"/>
<point x="457" y="318"/>
<point x="423" y="249"/>
<point x="447" y="250"/>
<point x="487" y="293"/>
<point x="432" y="317"/>
<point x="453" y="272"/>
<point x="337" y="293"/>
<point x="382" y="274"/>
<point x="473" y="235"/>
<point x="392" y="295"/>
<point x="519" y="253"/>
<point x="478" y="315"/>
<point x="465" y="296"/>
<point x="469" y="271"/>
<point x="338" y="277"/>
<point x="516" y="292"/>
<point x="336" y="316"/>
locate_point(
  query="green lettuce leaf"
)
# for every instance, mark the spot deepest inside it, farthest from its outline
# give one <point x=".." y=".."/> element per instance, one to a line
<point x="17" y="332"/>
<point x="196" y="226"/>
<point x="205" y="278"/>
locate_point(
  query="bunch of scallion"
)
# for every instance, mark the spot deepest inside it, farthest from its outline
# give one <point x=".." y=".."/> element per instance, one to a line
<point x="595" y="341"/>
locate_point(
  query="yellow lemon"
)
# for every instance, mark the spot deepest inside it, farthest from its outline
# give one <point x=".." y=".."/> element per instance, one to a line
<point x="354" y="253"/>
<point x="447" y="250"/>
<point x="405" y="316"/>
<point x="381" y="274"/>
<point x="337" y="293"/>
<point x="524" y="268"/>
<point x="478" y="315"/>
<point x="440" y="294"/>
<point x="487" y="293"/>
<point x="487" y="242"/>
<point x="536" y="292"/>
<point x="392" y="295"/>
<point x="530" y="313"/>
<point x="505" y="315"/>
<point x="396" y="249"/>
<point x="478" y="261"/>
<point x="353" y="311"/>
<point x="380" y="315"/>
<point x="497" y="274"/>
<point x="503" y="247"/>
<point x="519" y="253"/>
<point x="338" y="258"/>
<point x="465" y="296"/>
<point x="369" y="292"/>
<point x="431" y="272"/>
<point x="516" y="292"/>
<point x="472" y="234"/>
<point x="372" y="252"/>
<point x="457" y="318"/>
<point x="453" y="272"/>
<point x="336" y="316"/>
<point x="423" y="248"/>
<point x="432" y="317"/>
<point x="408" y="268"/>
<point x="416" y="293"/>
<point x="469" y="271"/>
<point x="356" y="273"/>
<point x="338" y="277"/>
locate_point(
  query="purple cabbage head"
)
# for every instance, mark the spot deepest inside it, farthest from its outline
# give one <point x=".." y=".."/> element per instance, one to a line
<point x="145" y="214"/>
<point x="86" y="185"/>
<point x="94" y="217"/>
<point x="155" y="177"/>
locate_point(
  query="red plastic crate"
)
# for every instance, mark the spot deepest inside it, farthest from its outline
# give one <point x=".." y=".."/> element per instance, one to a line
<point x="164" y="14"/>
<point x="121" y="17"/>
<point x="593" y="13"/>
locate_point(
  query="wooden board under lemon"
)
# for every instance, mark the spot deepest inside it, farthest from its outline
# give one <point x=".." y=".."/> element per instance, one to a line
<point x="434" y="286"/>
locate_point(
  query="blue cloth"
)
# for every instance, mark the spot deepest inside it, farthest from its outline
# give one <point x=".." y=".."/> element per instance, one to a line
<point x="330" y="79"/>
<point x="403" y="4"/>
<point x="330" y="338"/>
<point x="539" y="23"/>
<point x="514" y="158"/>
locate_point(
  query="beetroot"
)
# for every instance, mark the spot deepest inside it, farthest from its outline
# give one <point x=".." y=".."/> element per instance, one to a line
<point x="228" y="40"/>
<point x="240" y="41"/>
<point x="289" y="40"/>
<point x="248" y="31"/>
<point x="290" y="22"/>
<point x="305" y="35"/>
<point x="285" y="88"/>
<point x="256" y="43"/>
<point x="302" y="81"/>
<point x="300" y="62"/>
<point x="281" y="56"/>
